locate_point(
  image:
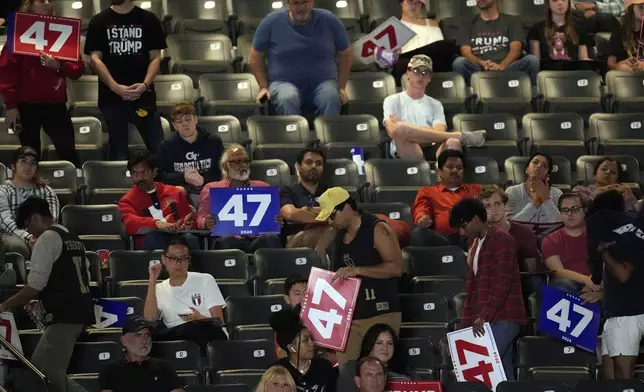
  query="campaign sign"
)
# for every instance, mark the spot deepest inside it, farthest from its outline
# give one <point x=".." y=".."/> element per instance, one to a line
<point x="390" y="36"/>
<point x="30" y="34"/>
<point x="9" y="331"/>
<point x="414" y="386"/>
<point x="327" y="309"/>
<point x="562" y="316"/>
<point x="245" y="211"/>
<point x="476" y="358"/>
<point x="109" y="314"/>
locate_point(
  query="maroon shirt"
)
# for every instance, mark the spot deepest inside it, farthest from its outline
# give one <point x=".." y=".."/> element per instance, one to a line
<point x="526" y="242"/>
<point x="573" y="251"/>
<point x="494" y="293"/>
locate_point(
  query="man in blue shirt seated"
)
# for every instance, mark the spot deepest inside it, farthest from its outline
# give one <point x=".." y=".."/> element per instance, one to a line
<point x="309" y="59"/>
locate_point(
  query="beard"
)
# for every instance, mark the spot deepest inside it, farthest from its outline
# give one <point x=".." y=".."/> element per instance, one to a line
<point x="241" y="175"/>
<point x="312" y="176"/>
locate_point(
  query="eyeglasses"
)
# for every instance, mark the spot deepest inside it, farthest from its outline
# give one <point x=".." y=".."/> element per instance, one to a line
<point x="418" y="71"/>
<point x="334" y="212"/>
<point x="178" y="259"/>
<point x="239" y="162"/>
<point x="571" y="210"/>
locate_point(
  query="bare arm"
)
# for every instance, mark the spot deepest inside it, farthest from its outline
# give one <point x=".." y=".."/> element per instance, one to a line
<point x="386" y="243"/>
<point x="258" y="65"/>
<point x="291" y="213"/>
<point x="344" y="66"/>
<point x="153" y="67"/>
<point x="419" y="134"/>
<point x="151" y="310"/>
<point x="536" y="50"/>
<point x="23" y="297"/>
<point x="514" y="53"/>
<point x="555" y="265"/>
<point x="583" y="53"/>
<point x="466" y="51"/>
<point x="96" y="61"/>
<point x="216" y="312"/>
<point x="325" y="241"/>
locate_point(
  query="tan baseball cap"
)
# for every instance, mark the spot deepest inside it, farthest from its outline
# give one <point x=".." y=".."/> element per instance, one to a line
<point x="329" y="200"/>
<point x="422" y="61"/>
<point x="629" y="3"/>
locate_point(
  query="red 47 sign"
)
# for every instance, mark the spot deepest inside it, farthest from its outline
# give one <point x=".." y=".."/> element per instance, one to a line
<point x="476" y="358"/>
<point x="30" y="34"/>
<point x="327" y="310"/>
<point x="391" y="35"/>
<point x="9" y="331"/>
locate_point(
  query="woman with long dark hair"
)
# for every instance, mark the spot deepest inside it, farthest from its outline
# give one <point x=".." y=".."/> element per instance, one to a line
<point x="626" y="47"/>
<point x="34" y="90"/>
<point x="607" y="174"/>
<point x="381" y="342"/>
<point x="558" y="37"/>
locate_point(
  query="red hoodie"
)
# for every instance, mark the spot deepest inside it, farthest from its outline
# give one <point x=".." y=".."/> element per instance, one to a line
<point x="23" y="79"/>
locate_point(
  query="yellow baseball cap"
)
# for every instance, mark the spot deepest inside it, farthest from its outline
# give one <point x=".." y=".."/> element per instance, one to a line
<point x="329" y="200"/>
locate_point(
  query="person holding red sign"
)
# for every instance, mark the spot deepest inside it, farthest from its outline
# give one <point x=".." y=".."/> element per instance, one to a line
<point x="493" y="289"/>
<point x="124" y="43"/>
<point x="35" y="92"/>
<point x="364" y="246"/>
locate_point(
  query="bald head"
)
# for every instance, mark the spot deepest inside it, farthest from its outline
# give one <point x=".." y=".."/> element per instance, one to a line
<point x="235" y="163"/>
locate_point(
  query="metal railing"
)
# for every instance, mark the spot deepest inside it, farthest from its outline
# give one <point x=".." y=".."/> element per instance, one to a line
<point x="21" y="358"/>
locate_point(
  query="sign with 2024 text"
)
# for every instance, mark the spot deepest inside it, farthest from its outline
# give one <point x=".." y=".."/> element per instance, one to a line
<point x="563" y="316"/>
<point x="31" y="34"/>
<point x="245" y="211"/>
<point x="9" y="331"/>
<point x="476" y="358"/>
<point x="414" y="386"/>
<point x="327" y="310"/>
<point x="391" y="36"/>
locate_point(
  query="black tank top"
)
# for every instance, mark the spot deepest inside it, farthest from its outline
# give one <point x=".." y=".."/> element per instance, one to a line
<point x="376" y="296"/>
<point x="67" y="298"/>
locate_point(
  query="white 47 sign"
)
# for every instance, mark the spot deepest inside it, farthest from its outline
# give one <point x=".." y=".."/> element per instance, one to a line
<point x="233" y="210"/>
<point x="330" y="317"/>
<point x="35" y="35"/>
<point x="560" y="313"/>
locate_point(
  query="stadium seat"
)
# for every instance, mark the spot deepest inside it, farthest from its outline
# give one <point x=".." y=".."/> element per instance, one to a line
<point x="172" y="89"/>
<point x="98" y="226"/>
<point x="342" y="173"/>
<point x="501" y="138"/>
<point x="95" y="274"/>
<point x="183" y="355"/>
<point x="230" y="94"/>
<point x="625" y="91"/>
<point x="235" y="355"/>
<point x="502" y="92"/>
<point x="251" y="310"/>
<point x="420" y="356"/>
<point x="82" y="97"/>
<point x="545" y="358"/>
<point x="3" y="169"/>
<point x="219" y="388"/>
<point x="630" y="169"/>
<point x="560" y="176"/>
<point x="249" y="13"/>
<point x="134" y="304"/>
<point x="394" y="210"/>
<point x="250" y="379"/>
<point x="532" y="386"/>
<point x="396" y="180"/>
<point x="455" y="8"/>
<point x="481" y="170"/>
<point x="339" y="134"/>
<point x="272" y="171"/>
<point x="424" y="308"/>
<point x="88" y="381"/>
<point x="198" y="54"/>
<point x="348" y="11"/>
<point x="433" y="332"/>
<point x="459" y="304"/>
<point x="131" y="265"/>
<point x="621" y="134"/>
<point x="135" y="288"/>
<point x="278" y="137"/>
<point x="570" y="91"/>
<point x="77" y="9"/>
<point x="529" y="12"/>
<point x="277" y="264"/>
<point x="9" y="142"/>
<point x="91" y="357"/>
<point x="228" y="128"/>
<point x="471" y="386"/>
<point x="88" y="136"/>
<point x="450" y="89"/>
<point x="244" y="44"/>
<point x="602" y="47"/>
<point x="608" y="386"/>
<point x="556" y="134"/>
<point x="367" y="91"/>
<point x="255" y="332"/>
<point x="380" y="10"/>
<point x="135" y="140"/>
<point x="222" y="264"/>
<point x="197" y="17"/>
<point x="106" y="182"/>
<point x="61" y="176"/>
<point x="436" y="261"/>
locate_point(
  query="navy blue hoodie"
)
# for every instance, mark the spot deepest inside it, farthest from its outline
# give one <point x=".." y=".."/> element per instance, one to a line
<point x="175" y="155"/>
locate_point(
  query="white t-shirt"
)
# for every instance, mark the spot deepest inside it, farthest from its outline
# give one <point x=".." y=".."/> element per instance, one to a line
<point x="475" y="260"/>
<point x="199" y="291"/>
<point x="425" y="35"/>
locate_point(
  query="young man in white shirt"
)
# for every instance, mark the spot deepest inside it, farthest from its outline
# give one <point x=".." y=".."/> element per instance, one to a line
<point x="413" y="119"/>
<point x="190" y="304"/>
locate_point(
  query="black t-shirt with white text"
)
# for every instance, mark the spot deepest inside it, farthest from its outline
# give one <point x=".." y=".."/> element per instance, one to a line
<point x="557" y="46"/>
<point x="125" y="42"/>
<point x="617" y="47"/>
<point x="490" y="39"/>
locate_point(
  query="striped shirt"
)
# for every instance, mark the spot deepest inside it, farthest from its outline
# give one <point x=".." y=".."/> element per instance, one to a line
<point x="612" y="7"/>
<point x="12" y="196"/>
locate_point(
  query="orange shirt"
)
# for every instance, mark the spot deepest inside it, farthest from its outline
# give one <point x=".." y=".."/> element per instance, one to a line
<point x="437" y="201"/>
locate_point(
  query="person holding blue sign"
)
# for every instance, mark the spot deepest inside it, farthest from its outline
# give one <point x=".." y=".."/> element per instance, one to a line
<point x="615" y="243"/>
<point x="493" y="288"/>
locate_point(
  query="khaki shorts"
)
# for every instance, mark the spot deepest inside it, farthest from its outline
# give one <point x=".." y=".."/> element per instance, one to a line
<point x="359" y="328"/>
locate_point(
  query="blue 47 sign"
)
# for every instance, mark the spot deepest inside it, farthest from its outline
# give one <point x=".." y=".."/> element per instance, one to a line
<point x="563" y="316"/>
<point x="245" y="211"/>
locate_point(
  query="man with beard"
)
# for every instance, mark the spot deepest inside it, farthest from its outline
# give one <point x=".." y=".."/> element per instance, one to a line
<point x="124" y="43"/>
<point x="413" y="119"/>
<point x="153" y="210"/>
<point x="137" y="371"/>
<point x="235" y="171"/>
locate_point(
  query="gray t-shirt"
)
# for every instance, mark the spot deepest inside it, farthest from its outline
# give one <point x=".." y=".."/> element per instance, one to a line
<point x="490" y="39"/>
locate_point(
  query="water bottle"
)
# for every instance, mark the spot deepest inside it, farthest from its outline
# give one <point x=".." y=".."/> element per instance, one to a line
<point x="358" y="157"/>
<point x="36" y="313"/>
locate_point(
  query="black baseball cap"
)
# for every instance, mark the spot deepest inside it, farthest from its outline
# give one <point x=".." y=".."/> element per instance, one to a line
<point x="136" y="323"/>
<point x="25" y="151"/>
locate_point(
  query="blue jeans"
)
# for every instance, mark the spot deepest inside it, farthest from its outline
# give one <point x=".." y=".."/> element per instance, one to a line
<point x="288" y="98"/>
<point x="504" y="334"/>
<point x="528" y="64"/>
<point x="155" y="240"/>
